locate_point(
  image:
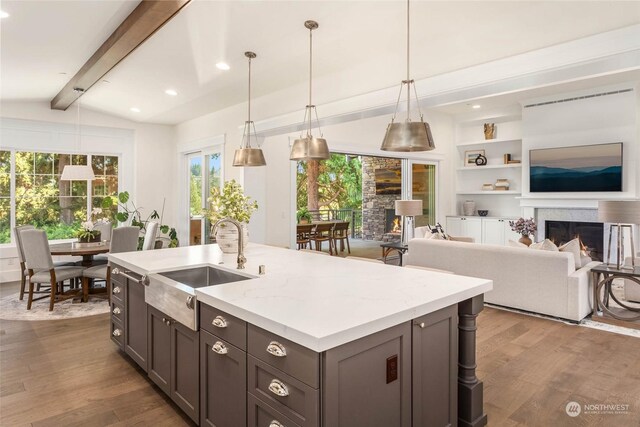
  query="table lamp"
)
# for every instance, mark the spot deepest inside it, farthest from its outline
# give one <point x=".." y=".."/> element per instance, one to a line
<point x="620" y="215"/>
<point x="408" y="209"/>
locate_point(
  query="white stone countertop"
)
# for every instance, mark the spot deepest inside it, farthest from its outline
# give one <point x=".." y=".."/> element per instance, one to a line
<point x="318" y="301"/>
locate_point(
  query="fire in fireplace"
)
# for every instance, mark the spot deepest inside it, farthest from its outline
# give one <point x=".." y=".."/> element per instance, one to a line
<point x="591" y="235"/>
<point x="393" y="222"/>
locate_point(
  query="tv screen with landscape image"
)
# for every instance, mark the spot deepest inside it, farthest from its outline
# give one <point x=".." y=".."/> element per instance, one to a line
<point x="576" y="169"/>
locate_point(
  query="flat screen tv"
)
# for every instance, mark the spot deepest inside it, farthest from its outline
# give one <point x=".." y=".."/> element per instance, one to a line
<point x="576" y="169"/>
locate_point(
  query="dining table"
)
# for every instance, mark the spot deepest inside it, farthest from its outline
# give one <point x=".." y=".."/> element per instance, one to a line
<point x="86" y="251"/>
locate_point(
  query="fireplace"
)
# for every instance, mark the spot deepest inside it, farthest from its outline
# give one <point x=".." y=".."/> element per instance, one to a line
<point x="392" y="222"/>
<point x="591" y="235"/>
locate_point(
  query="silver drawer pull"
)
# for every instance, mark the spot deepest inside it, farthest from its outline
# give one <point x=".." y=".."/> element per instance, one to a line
<point x="278" y="388"/>
<point x="276" y="423"/>
<point x="116" y="310"/>
<point x="219" y="322"/>
<point x="117" y="332"/>
<point x="276" y="349"/>
<point x="219" y="348"/>
<point x="116" y="290"/>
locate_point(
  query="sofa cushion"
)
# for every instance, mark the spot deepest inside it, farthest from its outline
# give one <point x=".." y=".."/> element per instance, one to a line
<point x="545" y="245"/>
<point x="515" y="244"/>
<point x="573" y="247"/>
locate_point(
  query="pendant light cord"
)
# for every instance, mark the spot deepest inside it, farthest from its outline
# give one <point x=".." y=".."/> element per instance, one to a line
<point x="408" y="65"/>
<point x="248" y="124"/>
<point x="310" y="76"/>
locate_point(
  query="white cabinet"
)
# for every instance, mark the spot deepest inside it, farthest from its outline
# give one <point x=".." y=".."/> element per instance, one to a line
<point x="463" y="226"/>
<point x="492" y="231"/>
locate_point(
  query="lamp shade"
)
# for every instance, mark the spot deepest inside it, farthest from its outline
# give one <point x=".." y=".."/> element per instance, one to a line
<point x="77" y="173"/>
<point x="408" y="207"/>
<point x="249" y="157"/>
<point x="310" y="148"/>
<point x="408" y="136"/>
<point x="619" y="211"/>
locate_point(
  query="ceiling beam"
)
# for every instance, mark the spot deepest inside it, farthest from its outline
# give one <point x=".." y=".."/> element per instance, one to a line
<point x="147" y="18"/>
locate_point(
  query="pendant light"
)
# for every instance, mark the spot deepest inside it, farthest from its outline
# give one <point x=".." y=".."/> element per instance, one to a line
<point x="78" y="172"/>
<point x="408" y="136"/>
<point x="310" y="147"/>
<point x="246" y="155"/>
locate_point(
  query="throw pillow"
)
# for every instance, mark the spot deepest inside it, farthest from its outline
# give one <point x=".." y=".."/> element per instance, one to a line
<point x="545" y="245"/>
<point x="515" y="244"/>
<point x="422" y="232"/>
<point x="573" y="247"/>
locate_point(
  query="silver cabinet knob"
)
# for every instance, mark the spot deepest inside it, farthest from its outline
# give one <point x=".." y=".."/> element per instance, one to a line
<point x="117" y="332"/>
<point x="278" y="388"/>
<point x="115" y="271"/>
<point x="116" y="310"/>
<point x="219" y="322"/>
<point x="276" y="423"/>
<point x="117" y="290"/>
<point x="421" y="324"/>
<point x="219" y="348"/>
<point x="191" y="302"/>
<point x="276" y="349"/>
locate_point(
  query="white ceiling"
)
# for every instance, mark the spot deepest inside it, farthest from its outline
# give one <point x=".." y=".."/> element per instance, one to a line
<point x="44" y="38"/>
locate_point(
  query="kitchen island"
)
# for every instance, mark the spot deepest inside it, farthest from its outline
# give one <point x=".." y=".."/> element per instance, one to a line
<point x="314" y="341"/>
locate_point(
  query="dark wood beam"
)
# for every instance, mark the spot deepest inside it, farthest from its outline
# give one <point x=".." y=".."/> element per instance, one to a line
<point x="147" y="18"/>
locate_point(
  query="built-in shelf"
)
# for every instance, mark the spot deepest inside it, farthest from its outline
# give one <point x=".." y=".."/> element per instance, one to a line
<point x="487" y="142"/>
<point x="492" y="192"/>
<point x="474" y="168"/>
<point x="492" y="119"/>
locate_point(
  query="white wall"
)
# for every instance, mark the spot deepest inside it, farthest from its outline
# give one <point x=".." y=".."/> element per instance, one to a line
<point x="147" y="169"/>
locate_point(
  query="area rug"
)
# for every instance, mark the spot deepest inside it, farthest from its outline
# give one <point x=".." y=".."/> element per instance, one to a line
<point x="11" y="308"/>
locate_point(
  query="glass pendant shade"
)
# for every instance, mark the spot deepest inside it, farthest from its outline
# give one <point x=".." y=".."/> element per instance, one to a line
<point x="408" y="136"/>
<point x="247" y="156"/>
<point x="310" y="148"/>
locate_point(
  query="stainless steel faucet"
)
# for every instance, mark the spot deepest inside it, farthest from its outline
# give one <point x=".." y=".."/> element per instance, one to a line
<point x="241" y="259"/>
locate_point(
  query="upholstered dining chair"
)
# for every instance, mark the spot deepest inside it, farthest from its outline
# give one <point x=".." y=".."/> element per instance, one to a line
<point x="105" y="228"/>
<point x="150" y="236"/>
<point x="123" y="239"/>
<point x="43" y="271"/>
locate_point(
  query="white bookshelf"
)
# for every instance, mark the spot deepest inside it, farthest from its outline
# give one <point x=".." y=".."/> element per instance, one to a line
<point x="479" y="168"/>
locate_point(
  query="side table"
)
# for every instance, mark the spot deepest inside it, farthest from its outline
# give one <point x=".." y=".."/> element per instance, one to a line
<point x="387" y="248"/>
<point x="609" y="274"/>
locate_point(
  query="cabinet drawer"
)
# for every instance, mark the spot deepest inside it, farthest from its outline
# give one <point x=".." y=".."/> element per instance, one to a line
<point x="117" y="312"/>
<point x="117" y="333"/>
<point x="117" y="292"/>
<point x="223" y="325"/>
<point x="286" y="394"/>
<point x="262" y="415"/>
<point x="296" y="360"/>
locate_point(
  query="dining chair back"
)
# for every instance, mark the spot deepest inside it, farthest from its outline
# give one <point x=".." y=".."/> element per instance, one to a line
<point x="42" y="269"/>
<point x="323" y="233"/>
<point x="341" y="233"/>
<point x="303" y="235"/>
<point x="150" y="236"/>
<point x="23" y="266"/>
<point x="105" y="228"/>
<point x="124" y="239"/>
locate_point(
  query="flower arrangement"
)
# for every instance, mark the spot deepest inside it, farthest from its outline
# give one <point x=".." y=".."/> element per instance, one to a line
<point x="230" y="202"/>
<point x="524" y="227"/>
<point x="87" y="232"/>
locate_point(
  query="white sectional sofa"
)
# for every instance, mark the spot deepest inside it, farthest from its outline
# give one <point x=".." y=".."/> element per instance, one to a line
<point x="533" y="280"/>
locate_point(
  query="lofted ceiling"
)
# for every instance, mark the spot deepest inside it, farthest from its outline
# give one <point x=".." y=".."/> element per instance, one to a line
<point x="44" y="38"/>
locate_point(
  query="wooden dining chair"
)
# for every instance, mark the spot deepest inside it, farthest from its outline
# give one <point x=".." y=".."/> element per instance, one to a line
<point x="303" y="235"/>
<point x="323" y="233"/>
<point x="341" y="233"/>
<point x="123" y="239"/>
<point x="43" y="271"/>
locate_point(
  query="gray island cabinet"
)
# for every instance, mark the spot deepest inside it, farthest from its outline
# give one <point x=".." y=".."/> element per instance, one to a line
<point x="254" y="359"/>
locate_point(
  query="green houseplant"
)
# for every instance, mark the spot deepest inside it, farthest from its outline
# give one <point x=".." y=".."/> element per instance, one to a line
<point x="128" y="211"/>
<point x="229" y="202"/>
<point x="304" y="216"/>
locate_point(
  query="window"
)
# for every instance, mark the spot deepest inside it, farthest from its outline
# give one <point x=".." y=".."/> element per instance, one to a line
<point x="205" y="173"/>
<point x="43" y="200"/>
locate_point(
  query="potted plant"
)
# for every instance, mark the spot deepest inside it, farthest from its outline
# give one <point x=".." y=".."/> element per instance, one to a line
<point x="87" y="232"/>
<point x="304" y="216"/>
<point x="230" y="202"/>
<point x="524" y="227"/>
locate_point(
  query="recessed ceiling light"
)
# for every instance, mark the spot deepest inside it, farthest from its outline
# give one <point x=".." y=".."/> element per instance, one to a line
<point x="135" y="109"/>
<point x="4" y="14"/>
<point x="475" y="106"/>
<point x="171" y="92"/>
<point x="223" y="66"/>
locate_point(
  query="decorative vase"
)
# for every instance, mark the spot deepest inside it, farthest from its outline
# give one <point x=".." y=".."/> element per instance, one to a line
<point x="469" y="207"/>
<point x="227" y="238"/>
<point x="525" y="239"/>
<point x="93" y="239"/>
<point x="489" y="130"/>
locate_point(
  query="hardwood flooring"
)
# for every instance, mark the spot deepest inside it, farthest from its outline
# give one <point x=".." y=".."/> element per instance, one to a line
<point x="68" y="373"/>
